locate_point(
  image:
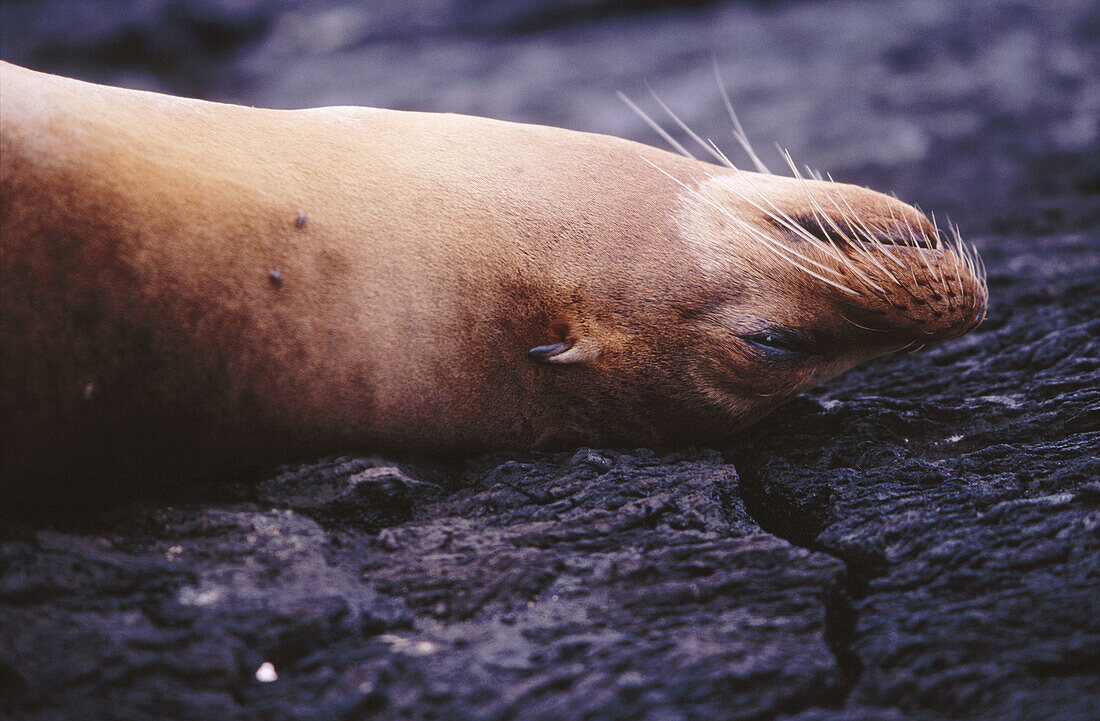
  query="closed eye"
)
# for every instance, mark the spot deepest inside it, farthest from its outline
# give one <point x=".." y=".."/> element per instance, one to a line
<point x="780" y="344"/>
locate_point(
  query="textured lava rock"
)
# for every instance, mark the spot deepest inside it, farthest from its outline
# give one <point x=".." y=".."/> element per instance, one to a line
<point x="920" y="539"/>
<point x="602" y="584"/>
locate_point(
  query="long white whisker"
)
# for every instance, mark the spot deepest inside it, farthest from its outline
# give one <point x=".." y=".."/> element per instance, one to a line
<point x="785" y="248"/>
<point x="860" y="248"/>
<point x="902" y="228"/>
<point x="887" y="250"/>
<point x="837" y="253"/>
<point x="786" y="221"/>
<point x="738" y="131"/>
<point x="725" y="160"/>
<point x="923" y="255"/>
<point x="655" y="126"/>
<point x="939" y="278"/>
<point x="783" y="219"/>
<point x="683" y="126"/>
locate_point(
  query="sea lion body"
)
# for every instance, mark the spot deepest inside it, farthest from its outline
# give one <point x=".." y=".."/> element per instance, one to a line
<point x="189" y="286"/>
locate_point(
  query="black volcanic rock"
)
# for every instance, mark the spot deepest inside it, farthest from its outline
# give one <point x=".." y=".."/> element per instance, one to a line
<point x="607" y="584"/>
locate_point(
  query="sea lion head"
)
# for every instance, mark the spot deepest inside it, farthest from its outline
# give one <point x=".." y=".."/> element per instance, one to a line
<point x="794" y="281"/>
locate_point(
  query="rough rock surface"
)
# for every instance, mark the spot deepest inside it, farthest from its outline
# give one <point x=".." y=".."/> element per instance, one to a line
<point x="920" y="539"/>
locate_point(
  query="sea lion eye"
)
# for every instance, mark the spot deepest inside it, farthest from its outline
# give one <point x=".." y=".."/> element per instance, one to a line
<point x="779" y="343"/>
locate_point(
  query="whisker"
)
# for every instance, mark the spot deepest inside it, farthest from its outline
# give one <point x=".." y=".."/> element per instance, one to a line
<point x="850" y="216"/>
<point x="958" y="255"/>
<point x="725" y="160"/>
<point x="857" y="325"/>
<point x="783" y="219"/>
<point x="683" y="126"/>
<point x="655" y="126"/>
<point x="769" y="243"/>
<point x="836" y="251"/>
<point x="738" y="132"/>
<point x="939" y="278"/>
<point x="866" y="252"/>
<point x="829" y="246"/>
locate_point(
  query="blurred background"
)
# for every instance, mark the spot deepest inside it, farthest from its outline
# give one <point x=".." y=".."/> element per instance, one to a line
<point x="986" y="111"/>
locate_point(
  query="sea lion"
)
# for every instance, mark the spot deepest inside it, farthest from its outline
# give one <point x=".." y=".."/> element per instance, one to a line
<point x="189" y="286"/>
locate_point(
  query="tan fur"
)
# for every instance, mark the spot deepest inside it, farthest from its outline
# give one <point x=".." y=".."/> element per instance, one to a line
<point x="166" y="310"/>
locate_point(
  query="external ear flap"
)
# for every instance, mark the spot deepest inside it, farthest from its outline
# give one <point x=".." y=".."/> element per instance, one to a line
<point x="569" y="351"/>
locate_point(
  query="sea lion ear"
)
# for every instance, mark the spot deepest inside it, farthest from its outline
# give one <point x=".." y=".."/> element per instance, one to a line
<point x="580" y="350"/>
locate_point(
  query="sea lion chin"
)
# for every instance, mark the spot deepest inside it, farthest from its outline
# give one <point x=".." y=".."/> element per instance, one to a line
<point x="190" y="287"/>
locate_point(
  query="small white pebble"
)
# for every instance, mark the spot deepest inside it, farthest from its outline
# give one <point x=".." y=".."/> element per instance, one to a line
<point x="405" y="646"/>
<point x="208" y="597"/>
<point x="191" y="596"/>
<point x="266" y="673"/>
